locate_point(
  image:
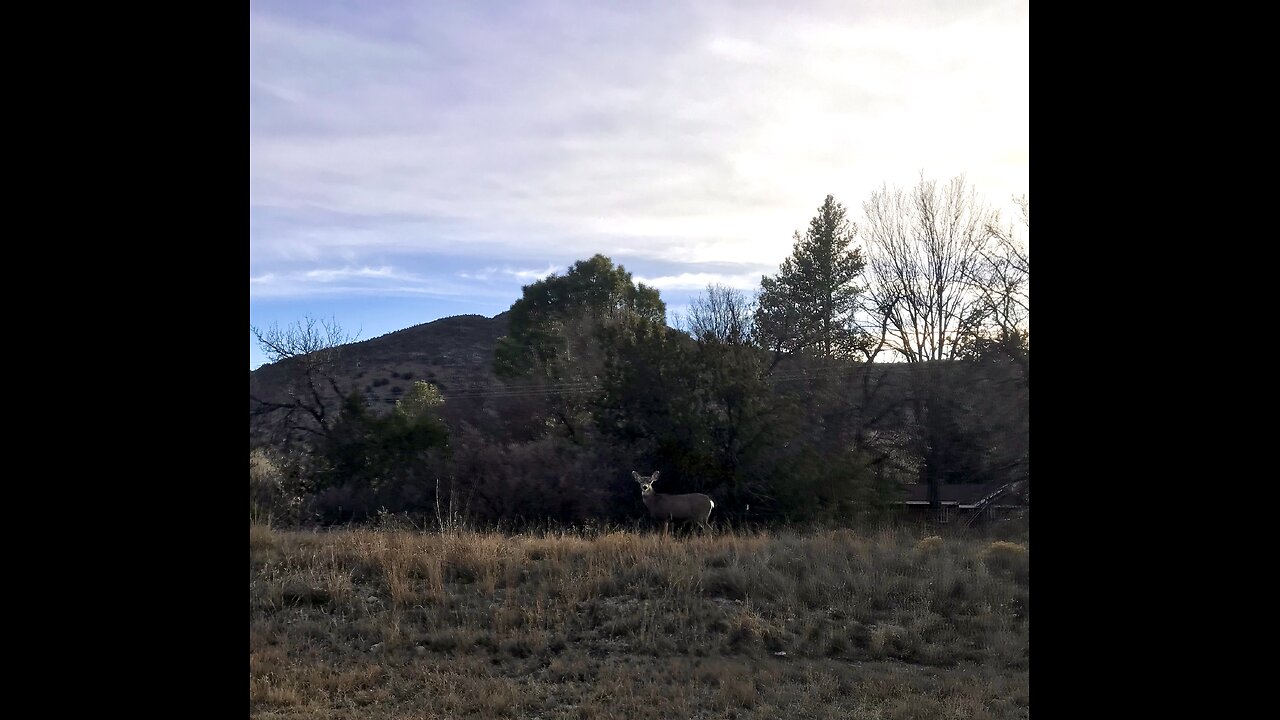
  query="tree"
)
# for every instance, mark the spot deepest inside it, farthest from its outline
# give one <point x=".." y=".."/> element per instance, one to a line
<point x="696" y="409"/>
<point x="924" y="247"/>
<point x="731" y="403"/>
<point x="557" y="332"/>
<point x="1004" y="346"/>
<point x="936" y="286"/>
<point x="540" y="339"/>
<point x="372" y="461"/>
<point x="721" y="315"/>
<point x="811" y="304"/>
<point x="308" y="352"/>
<point x="1002" y="281"/>
<point x="422" y="398"/>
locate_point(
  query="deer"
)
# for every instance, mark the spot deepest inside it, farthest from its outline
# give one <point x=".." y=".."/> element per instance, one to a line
<point x="693" y="507"/>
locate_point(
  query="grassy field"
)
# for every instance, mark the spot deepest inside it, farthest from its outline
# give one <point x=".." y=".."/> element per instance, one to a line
<point x="839" y="624"/>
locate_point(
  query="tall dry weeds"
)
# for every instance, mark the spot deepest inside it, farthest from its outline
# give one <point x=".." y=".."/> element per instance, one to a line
<point x="542" y="614"/>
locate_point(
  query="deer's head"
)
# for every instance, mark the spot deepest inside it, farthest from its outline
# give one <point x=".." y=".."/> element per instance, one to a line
<point x="646" y="483"/>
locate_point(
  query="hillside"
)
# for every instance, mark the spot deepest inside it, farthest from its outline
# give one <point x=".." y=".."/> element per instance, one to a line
<point x="454" y="353"/>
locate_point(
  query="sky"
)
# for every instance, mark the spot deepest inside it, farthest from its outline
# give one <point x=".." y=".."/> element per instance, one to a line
<point x="410" y="161"/>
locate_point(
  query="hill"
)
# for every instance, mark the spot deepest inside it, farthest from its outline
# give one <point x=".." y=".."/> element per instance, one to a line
<point x="454" y="353"/>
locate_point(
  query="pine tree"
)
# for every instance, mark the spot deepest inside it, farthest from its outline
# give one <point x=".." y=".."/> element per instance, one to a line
<point x="810" y="305"/>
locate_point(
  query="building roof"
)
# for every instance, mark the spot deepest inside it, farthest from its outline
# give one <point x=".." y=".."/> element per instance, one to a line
<point x="963" y="494"/>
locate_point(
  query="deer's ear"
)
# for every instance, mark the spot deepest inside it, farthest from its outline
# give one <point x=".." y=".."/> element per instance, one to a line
<point x="635" y="475"/>
<point x="655" y="476"/>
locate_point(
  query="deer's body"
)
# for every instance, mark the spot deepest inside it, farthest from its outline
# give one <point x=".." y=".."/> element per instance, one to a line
<point x="693" y="507"/>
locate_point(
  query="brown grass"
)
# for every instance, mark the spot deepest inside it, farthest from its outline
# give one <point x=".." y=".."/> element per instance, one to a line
<point x="389" y="624"/>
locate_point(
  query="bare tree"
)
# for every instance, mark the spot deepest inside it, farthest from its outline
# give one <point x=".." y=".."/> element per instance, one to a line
<point x="308" y="352"/>
<point x="721" y="315"/>
<point x="1002" y="283"/>
<point x="924" y="247"/>
<point x="928" y="250"/>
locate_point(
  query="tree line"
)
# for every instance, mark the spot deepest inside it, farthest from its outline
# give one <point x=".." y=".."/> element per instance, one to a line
<point x="887" y="351"/>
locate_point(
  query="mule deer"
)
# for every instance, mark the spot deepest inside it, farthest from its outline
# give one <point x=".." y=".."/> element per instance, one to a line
<point x="694" y="507"/>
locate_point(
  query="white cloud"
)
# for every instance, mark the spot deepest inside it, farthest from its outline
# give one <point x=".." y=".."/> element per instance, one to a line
<point x="700" y="134"/>
<point x="490" y="272"/>
<point x="482" y="275"/>
<point x="531" y="274"/>
<point x="347" y="273"/>
<point x="700" y="280"/>
<point x="363" y="281"/>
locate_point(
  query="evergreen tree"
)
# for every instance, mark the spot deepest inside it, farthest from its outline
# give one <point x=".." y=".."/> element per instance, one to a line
<point x="554" y="325"/>
<point x="810" y="305"/>
<point x="562" y="330"/>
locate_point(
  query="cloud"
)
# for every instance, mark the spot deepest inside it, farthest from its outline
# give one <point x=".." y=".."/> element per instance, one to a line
<point x="700" y="280"/>
<point x="386" y="280"/>
<point x="347" y="273"/>
<point x="687" y="133"/>
<point x="737" y="49"/>
<point x="531" y="274"/>
<point x="490" y="272"/>
<point x="363" y="281"/>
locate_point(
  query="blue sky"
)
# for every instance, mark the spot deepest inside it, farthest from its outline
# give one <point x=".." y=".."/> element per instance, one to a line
<point x="414" y="160"/>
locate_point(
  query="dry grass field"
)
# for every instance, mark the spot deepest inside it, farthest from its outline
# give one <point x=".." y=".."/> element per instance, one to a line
<point x="379" y="623"/>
